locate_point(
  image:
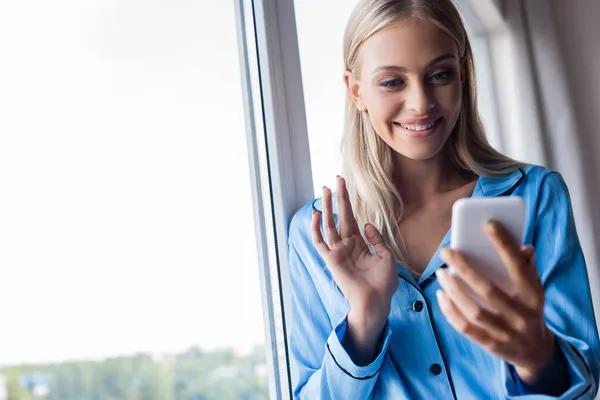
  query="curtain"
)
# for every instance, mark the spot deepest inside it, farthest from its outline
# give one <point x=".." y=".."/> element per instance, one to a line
<point x="537" y="115"/>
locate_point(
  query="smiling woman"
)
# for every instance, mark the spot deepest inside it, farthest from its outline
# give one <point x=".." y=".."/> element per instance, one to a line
<point x="374" y="312"/>
<point x="430" y="87"/>
<point x="404" y="103"/>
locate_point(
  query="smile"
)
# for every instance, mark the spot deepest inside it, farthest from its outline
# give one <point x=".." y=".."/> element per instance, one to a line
<point x="417" y="127"/>
<point x="422" y="130"/>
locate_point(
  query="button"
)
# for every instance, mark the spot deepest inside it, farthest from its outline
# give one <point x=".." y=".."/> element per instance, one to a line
<point x="435" y="369"/>
<point x="418" y="306"/>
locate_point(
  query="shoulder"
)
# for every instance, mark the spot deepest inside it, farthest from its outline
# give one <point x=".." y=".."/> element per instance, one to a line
<point x="548" y="201"/>
<point x="536" y="174"/>
<point x="301" y="220"/>
<point x="543" y="190"/>
<point x="300" y="224"/>
<point x="534" y="183"/>
<point x="543" y="183"/>
<point x="525" y="181"/>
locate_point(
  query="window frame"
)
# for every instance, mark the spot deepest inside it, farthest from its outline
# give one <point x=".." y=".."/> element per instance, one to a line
<point x="279" y="158"/>
<point x="484" y="17"/>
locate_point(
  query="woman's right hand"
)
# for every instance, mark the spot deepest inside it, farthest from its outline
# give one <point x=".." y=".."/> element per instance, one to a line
<point x="368" y="281"/>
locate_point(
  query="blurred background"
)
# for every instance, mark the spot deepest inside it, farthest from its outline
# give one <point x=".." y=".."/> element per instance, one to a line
<point x="128" y="242"/>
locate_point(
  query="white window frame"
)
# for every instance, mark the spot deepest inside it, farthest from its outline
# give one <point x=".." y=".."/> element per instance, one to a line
<point x="279" y="158"/>
<point x="484" y="18"/>
<point x="509" y="69"/>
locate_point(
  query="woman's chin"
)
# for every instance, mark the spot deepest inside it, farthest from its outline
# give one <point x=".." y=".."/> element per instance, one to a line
<point x="419" y="151"/>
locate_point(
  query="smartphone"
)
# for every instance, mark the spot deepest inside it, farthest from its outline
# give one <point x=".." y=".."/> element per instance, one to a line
<point x="469" y="216"/>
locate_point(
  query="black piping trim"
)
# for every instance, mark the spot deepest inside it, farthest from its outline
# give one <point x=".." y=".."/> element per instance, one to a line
<point x="348" y="373"/>
<point x="510" y="191"/>
<point x="314" y="207"/>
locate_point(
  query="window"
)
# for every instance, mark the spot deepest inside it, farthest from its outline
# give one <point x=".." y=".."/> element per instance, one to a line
<point x="125" y="192"/>
<point x="322" y="76"/>
<point x="478" y="32"/>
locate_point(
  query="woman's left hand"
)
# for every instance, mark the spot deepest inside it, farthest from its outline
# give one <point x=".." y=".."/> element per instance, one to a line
<point x="515" y="330"/>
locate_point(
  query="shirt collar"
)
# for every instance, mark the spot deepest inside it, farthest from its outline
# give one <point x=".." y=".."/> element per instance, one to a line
<point x="496" y="186"/>
<point x="486" y="187"/>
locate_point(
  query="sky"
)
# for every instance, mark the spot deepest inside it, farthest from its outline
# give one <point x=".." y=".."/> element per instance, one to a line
<point x="124" y="179"/>
<point x="126" y="220"/>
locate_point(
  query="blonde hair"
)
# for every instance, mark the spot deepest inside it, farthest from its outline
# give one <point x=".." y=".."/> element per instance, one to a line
<point x="368" y="162"/>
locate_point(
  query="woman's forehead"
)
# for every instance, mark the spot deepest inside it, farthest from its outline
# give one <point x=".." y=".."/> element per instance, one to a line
<point x="411" y="44"/>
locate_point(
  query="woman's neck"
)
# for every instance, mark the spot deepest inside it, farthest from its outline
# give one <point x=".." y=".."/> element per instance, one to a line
<point x="421" y="180"/>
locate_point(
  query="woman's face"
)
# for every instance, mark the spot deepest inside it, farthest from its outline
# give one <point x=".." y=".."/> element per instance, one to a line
<point x="409" y="83"/>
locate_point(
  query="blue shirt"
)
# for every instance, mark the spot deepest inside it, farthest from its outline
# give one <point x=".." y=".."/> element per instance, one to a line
<point x="421" y="355"/>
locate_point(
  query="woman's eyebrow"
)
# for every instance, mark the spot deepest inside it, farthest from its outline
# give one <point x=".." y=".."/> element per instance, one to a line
<point x="404" y="69"/>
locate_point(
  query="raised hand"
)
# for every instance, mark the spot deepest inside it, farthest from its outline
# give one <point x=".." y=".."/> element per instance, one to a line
<point x="367" y="280"/>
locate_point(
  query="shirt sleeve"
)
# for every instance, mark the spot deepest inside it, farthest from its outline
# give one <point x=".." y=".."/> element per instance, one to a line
<point x="554" y="379"/>
<point x="568" y="306"/>
<point x="320" y="366"/>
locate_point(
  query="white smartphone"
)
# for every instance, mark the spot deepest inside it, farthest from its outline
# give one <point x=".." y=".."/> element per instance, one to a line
<point x="469" y="216"/>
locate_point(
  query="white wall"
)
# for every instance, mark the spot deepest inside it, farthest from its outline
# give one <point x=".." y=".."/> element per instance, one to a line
<point x="578" y="31"/>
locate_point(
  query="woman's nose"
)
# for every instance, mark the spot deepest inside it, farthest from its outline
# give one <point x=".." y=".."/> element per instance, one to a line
<point x="418" y="100"/>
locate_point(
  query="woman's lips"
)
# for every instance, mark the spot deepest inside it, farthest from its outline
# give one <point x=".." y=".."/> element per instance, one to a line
<point x="420" y="134"/>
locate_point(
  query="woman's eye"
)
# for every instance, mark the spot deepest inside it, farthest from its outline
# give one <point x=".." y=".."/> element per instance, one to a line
<point x="442" y="76"/>
<point x="392" y="83"/>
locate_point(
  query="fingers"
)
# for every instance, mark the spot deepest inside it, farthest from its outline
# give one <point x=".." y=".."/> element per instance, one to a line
<point x="485" y="289"/>
<point x="470" y="310"/>
<point x="528" y="256"/>
<point x="459" y="322"/>
<point x="317" y="237"/>
<point x="331" y="233"/>
<point x="528" y="253"/>
<point x="346" y="221"/>
<point x="509" y="252"/>
<point x="375" y="239"/>
<point x="519" y="265"/>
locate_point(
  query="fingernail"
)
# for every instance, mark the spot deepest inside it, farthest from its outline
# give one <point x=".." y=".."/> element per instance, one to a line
<point x="441" y="299"/>
<point x="492" y="226"/>
<point x="446" y="253"/>
<point x="441" y="274"/>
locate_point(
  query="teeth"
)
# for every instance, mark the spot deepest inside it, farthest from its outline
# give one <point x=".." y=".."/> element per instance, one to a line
<point x="417" y="127"/>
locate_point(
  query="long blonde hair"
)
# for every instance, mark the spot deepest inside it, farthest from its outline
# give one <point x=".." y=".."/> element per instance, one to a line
<point x="368" y="162"/>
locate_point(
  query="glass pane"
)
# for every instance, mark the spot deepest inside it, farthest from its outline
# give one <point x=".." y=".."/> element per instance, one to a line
<point x="322" y="76"/>
<point x="121" y="136"/>
<point x="483" y="73"/>
<point x="324" y="91"/>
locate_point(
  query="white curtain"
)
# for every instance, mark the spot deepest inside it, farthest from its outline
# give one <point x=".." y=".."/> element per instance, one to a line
<point x="537" y="117"/>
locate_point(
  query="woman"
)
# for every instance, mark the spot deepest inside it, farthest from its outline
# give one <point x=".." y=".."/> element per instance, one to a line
<point x="386" y="320"/>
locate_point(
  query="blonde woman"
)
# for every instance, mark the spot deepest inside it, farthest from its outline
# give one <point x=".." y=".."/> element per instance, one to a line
<point x="383" y="318"/>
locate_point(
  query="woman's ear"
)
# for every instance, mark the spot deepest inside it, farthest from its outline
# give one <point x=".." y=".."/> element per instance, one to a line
<point x="353" y="86"/>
